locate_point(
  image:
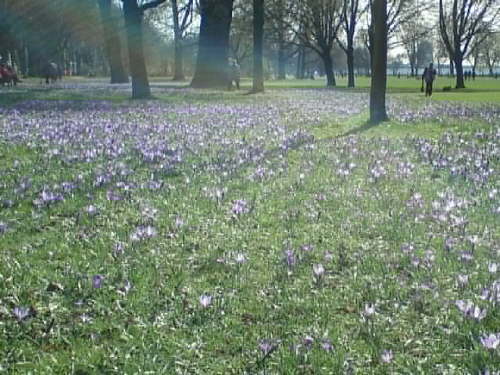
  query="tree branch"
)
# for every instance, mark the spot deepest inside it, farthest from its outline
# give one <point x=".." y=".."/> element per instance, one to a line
<point x="151" y="4"/>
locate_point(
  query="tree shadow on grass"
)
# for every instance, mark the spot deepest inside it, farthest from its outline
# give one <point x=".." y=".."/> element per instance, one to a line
<point x="367" y="125"/>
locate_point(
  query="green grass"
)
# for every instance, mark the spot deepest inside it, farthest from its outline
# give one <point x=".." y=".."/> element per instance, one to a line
<point x="481" y="90"/>
<point x="354" y="224"/>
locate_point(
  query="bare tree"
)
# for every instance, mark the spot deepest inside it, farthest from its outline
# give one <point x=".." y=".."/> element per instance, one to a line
<point x="491" y="51"/>
<point x="351" y="11"/>
<point x="182" y="16"/>
<point x="258" y="46"/>
<point x="279" y="32"/>
<point x="241" y="27"/>
<point x="425" y="53"/>
<point x="410" y="33"/>
<point x="475" y="52"/>
<point x="319" y="22"/>
<point x="399" y="12"/>
<point x="460" y="23"/>
<point x="379" y="62"/>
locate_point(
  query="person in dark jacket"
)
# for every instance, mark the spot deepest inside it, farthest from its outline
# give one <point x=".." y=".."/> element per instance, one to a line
<point x="428" y="76"/>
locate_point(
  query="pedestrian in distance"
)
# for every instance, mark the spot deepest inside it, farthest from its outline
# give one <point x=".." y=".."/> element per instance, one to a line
<point x="428" y="76"/>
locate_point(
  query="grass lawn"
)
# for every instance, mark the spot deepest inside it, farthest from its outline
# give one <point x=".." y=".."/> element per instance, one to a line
<point x="479" y="90"/>
<point x="214" y="232"/>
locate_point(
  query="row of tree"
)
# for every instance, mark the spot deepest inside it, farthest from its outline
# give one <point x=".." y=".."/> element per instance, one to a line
<point x="89" y="33"/>
<point x="32" y="33"/>
<point x="75" y="34"/>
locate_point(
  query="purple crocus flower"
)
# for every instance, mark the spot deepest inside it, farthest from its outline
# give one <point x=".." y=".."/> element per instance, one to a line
<point x="240" y="206"/>
<point x="328" y="256"/>
<point x="490" y="341"/>
<point x="267" y="346"/>
<point x="3" y="227"/>
<point x="470" y="310"/>
<point x="143" y="232"/>
<point x="290" y="258"/>
<point x="463" y="280"/>
<point x="97" y="281"/>
<point x="118" y="249"/>
<point x="85" y="318"/>
<point x="318" y="270"/>
<point x="326" y="345"/>
<point x="492" y="267"/>
<point x="240" y="258"/>
<point x="91" y="210"/>
<point x="111" y="195"/>
<point x="179" y="222"/>
<point x="387" y="356"/>
<point x="308" y="342"/>
<point x="21" y="313"/>
<point x="306" y="248"/>
<point x="369" y="310"/>
<point x="205" y="300"/>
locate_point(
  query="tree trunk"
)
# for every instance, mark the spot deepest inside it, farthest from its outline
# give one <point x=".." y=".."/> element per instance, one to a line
<point x="379" y="63"/>
<point x="112" y="44"/>
<point x="212" y="65"/>
<point x="459" y="71"/>
<point x="258" y="45"/>
<point x="133" y="27"/>
<point x="452" y="69"/>
<point x="179" y="60"/>
<point x="281" y="60"/>
<point x="178" y="46"/>
<point x="350" y="64"/>
<point x="300" y="63"/>
<point x="328" y="63"/>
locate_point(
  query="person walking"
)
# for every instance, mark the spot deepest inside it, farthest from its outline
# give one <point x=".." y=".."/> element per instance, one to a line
<point x="429" y="75"/>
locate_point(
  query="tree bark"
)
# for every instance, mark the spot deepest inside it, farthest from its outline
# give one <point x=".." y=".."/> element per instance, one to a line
<point x="350" y="64"/>
<point x="258" y="46"/>
<point x="300" y="57"/>
<point x="179" y="60"/>
<point x="328" y="63"/>
<point x="133" y="26"/>
<point x="112" y="44"/>
<point x="350" y="14"/>
<point x="379" y="62"/>
<point x="212" y="65"/>
<point x="412" y="62"/>
<point x="460" y="84"/>
<point x="178" y="47"/>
